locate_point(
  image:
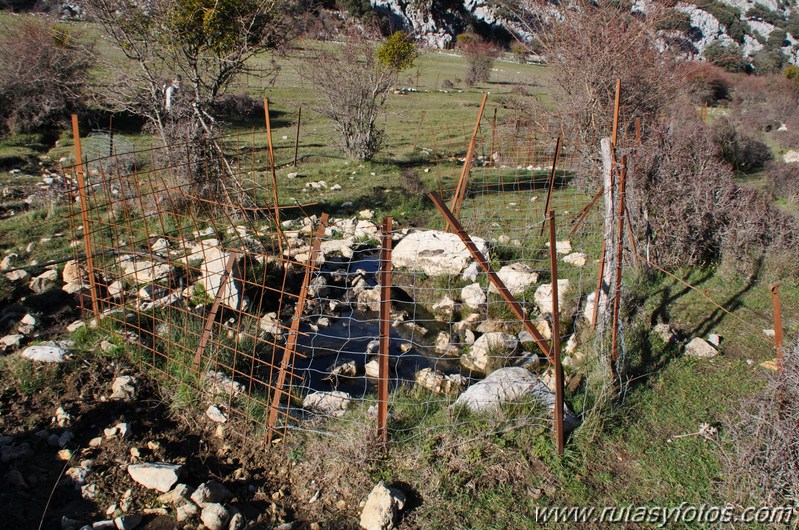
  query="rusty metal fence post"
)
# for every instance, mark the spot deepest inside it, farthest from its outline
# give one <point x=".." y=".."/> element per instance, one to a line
<point x="84" y="212"/>
<point x="209" y="322"/>
<point x="460" y="191"/>
<point x="290" y="348"/>
<point x="385" y="330"/>
<point x="560" y="435"/>
<point x="297" y="136"/>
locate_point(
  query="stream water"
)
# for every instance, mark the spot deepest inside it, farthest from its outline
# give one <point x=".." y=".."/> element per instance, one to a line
<point x="350" y="333"/>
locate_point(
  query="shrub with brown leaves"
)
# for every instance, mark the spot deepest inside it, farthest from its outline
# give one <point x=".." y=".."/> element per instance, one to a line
<point x="763" y="462"/>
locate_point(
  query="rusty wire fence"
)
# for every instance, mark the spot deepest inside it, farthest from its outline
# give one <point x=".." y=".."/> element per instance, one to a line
<point x="246" y="301"/>
<point x="257" y="303"/>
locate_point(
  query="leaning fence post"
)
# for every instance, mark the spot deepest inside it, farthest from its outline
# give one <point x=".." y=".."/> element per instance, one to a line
<point x="551" y="186"/>
<point x="385" y="330"/>
<point x="278" y="229"/>
<point x="560" y="435"/>
<point x="209" y="322"/>
<point x="460" y="191"/>
<point x="84" y="212"/>
<point x="290" y="348"/>
<point x="775" y="300"/>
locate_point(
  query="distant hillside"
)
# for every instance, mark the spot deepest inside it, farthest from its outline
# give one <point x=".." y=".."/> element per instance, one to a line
<point x="763" y="26"/>
<point x="754" y="28"/>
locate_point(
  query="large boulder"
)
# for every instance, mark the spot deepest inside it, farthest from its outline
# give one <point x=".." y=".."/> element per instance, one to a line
<point x="213" y="270"/>
<point x="517" y="278"/>
<point x="507" y="386"/>
<point x="543" y="296"/>
<point x="435" y="253"/>
<point x="490" y="350"/>
<point x="382" y="508"/>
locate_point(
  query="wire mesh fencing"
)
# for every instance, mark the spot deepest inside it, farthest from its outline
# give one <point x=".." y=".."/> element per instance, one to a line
<point x="232" y="281"/>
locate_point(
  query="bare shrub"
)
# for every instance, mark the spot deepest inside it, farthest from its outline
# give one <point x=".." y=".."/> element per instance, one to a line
<point x="680" y="192"/>
<point x="589" y="47"/>
<point x="763" y="460"/>
<point x="354" y="80"/>
<point x="179" y="57"/>
<point x="743" y="152"/>
<point x="691" y="210"/>
<point x="43" y="70"/>
<point x="480" y="56"/>
<point x="783" y="180"/>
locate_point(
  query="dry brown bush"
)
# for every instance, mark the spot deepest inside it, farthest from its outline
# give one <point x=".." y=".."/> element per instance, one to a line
<point x="783" y="180"/>
<point x="763" y="461"/>
<point x="689" y="210"/>
<point x="43" y="71"/>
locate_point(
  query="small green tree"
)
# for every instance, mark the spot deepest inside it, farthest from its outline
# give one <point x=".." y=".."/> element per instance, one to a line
<point x="354" y="80"/>
<point x="728" y="57"/>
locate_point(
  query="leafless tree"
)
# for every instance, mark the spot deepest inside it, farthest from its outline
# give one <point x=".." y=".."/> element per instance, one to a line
<point x="354" y="79"/>
<point x="589" y="45"/>
<point x="178" y="56"/>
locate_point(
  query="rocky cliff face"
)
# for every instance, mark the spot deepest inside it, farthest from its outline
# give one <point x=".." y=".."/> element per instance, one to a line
<point x="745" y="23"/>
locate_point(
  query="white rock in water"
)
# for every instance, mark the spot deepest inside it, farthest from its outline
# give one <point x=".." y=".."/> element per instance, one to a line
<point x="444" y="308"/>
<point x="215" y="414"/>
<point x="473" y="296"/>
<point x="699" y="347"/>
<point x="44" y="282"/>
<point x="372" y="369"/>
<point x="382" y="508"/>
<point x="215" y="517"/>
<point x="333" y="404"/>
<point x="435" y="253"/>
<point x="575" y="258"/>
<point x="491" y="348"/>
<point x="45" y="354"/>
<point x="338" y="246"/>
<point x="517" y="278"/>
<point x="543" y="296"/>
<point x="157" y="476"/>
